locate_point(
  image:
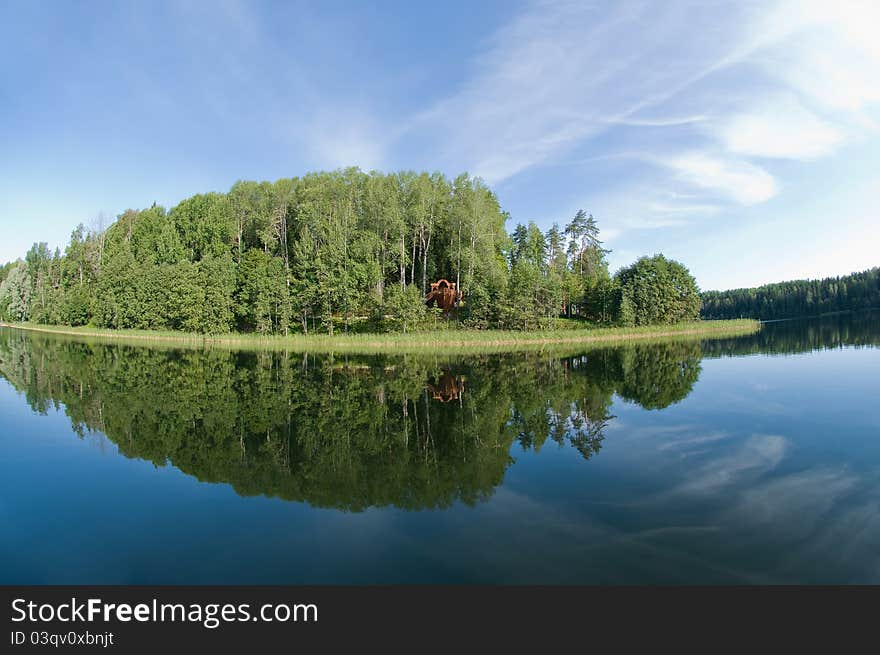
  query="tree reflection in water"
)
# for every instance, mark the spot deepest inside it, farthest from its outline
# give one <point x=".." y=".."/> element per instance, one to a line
<point x="349" y="433"/>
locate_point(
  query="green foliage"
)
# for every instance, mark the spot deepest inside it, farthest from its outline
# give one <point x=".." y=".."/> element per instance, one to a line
<point x="77" y="306"/>
<point x="15" y="294"/>
<point x="600" y="298"/>
<point x="44" y="272"/>
<point x="655" y="378"/>
<point x="659" y="291"/>
<point x="176" y="293"/>
<point x="117" y="302"/>
<point x="797" y="298"/>
<point x="626" y="311"/>
<point x="405" y="310"/>
<point x="217" y="280"/>
<point x="483" y="307"/>
<point x="6" y="269"/>
<point x="205" y="225"/>
<point x="261" y="293"/>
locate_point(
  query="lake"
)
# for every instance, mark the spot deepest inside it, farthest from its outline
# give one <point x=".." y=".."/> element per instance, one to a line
<point x="747" y="460"/>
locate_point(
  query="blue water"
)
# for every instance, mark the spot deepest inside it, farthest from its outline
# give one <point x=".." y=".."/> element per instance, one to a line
<point x="759" y="463"/>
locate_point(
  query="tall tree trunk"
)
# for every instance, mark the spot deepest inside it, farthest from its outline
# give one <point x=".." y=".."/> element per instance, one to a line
<point x="382" y="274"/>
<point x="240" y="234"/>
<point x="426" y="245"/>
<point x="403" y="260"/>
<point x="425" y="265"/>
<point x="286" y="256"/>
<point x="412" y="273"/>
<point x="471" y="263"/>
<point x="458" y="267"/>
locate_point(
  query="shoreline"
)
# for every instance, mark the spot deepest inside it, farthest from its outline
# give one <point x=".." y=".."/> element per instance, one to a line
<point x="445" y="340"/>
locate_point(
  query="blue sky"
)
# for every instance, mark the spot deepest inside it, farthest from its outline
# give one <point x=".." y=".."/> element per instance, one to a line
<point x="741" y="138"/>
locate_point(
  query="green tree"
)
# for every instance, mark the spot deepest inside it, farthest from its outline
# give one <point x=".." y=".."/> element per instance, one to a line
<point x="405" y="310"/>
<point x="659" y="290"/>
<point x="217" y="278"/>
<point x="15" y="294"/>
<point x="261" y="293"/>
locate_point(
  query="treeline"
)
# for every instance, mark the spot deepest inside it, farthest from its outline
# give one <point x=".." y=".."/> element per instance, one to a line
<point x="796" y="298"/>
<point x="339" y="250"/>
<point x="860" y="330"/>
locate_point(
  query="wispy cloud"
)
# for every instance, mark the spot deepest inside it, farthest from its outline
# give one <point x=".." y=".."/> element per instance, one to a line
<point x="758" y="455"/>
<point x="647" y="206"/>
<point x="793" y="505"/>
<point x="780" y="128"/>
<point x="557" y="75"/>
<point x="737" y="179"/>
<point x="671" y="121"/>
<point x="712" y="93"/>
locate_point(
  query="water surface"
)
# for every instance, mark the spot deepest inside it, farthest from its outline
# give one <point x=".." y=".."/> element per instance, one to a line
<point x="747" y="460"/>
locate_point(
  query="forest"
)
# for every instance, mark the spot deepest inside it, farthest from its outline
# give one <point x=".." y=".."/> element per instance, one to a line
<point x="343" y="250"/>
<point x="796" y="298"/>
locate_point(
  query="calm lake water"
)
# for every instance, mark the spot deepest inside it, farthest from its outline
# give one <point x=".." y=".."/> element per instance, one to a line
<point x="746" y="460"/>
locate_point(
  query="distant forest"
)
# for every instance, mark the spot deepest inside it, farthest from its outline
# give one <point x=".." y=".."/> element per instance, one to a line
<point x="796" y="298"/>
<point x="343" y="250"/>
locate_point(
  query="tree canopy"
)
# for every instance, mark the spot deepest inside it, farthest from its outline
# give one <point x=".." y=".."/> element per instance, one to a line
<point x="657" y="290"/>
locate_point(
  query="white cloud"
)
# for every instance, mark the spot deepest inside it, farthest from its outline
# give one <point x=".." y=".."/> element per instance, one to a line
<point x="760" y="453"/>
<point x="781" y="128"/>
<point x="644" y="207"/>
<point x="793" y="505"/>
<point x="671" y="121"/>
<point x="703" y="91"/>
<point x="688" y="442"/>
<point x="830" y="51"/>
<point x="561" y="73"/>
<point x="737" y="179"/>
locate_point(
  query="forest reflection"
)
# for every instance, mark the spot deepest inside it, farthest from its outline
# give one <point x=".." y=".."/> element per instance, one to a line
<point x="351" y="432"/>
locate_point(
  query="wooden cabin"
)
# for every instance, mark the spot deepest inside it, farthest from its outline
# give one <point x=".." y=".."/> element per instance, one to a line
<point x="444" y="295"/>
<point x="449" y="387"/>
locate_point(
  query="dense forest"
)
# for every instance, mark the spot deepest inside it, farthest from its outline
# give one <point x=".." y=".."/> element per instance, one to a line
<point x="796" y="298"/>
<point x="338" y="250"/>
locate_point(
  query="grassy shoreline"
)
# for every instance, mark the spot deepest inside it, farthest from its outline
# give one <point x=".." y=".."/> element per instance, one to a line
<point x="449" y="341"/>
